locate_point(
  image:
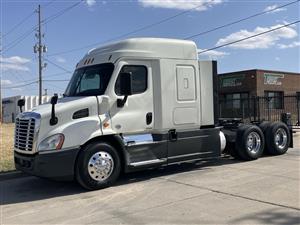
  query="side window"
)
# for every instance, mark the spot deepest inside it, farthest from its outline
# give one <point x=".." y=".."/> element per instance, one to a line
<point x="139" y="78"/>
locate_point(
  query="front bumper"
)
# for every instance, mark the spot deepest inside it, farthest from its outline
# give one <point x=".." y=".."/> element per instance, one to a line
<point x="57" y="164"/>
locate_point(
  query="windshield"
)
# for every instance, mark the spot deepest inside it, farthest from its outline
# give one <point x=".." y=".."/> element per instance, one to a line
<point x="90" y="80"/>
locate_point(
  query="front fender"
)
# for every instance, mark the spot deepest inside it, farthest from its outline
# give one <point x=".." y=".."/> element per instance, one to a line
<point x="79" y="131"/>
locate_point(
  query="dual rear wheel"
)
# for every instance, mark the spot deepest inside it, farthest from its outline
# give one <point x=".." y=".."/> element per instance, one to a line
<point x="252" y="141"/>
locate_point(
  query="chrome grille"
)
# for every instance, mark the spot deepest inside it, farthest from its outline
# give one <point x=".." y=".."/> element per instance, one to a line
<point x="24" y="134"/>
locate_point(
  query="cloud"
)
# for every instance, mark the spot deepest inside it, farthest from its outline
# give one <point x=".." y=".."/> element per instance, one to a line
<point x="260" y="42"/>
<point x="90" y="3"/>
<point x="14" y="59"/>
<point x="212" y="54"/>
<point x="60" y="59"/>
<point x="277" y="58"/>
<point x="9" y="66"/>
<point x="5" y="82"/>
<point x="272" y="7"/>
<point x="14" y="63"/>
<point x="197" y="5"/>
<point x="17" y="89"/>
<point x="292" y="45"/>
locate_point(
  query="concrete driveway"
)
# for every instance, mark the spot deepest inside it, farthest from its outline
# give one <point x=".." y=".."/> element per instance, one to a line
<point x="265" y="191"/>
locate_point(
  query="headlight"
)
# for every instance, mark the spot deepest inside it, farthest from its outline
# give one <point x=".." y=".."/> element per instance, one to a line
<point x="51" y="143"/>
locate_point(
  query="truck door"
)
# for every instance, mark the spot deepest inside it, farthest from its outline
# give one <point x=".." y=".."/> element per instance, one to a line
<point x="136" y="116"/>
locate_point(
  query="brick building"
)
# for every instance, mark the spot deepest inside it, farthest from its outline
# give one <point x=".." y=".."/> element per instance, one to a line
<point x="279" y="91"/>
<point x="259" y="83"/>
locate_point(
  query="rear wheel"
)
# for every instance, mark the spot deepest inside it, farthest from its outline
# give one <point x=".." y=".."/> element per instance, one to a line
<point x="264" y="126"/>
<point x="277" y="138"/>
<point x="98" y="166"/>
<point x="250" y="142"/>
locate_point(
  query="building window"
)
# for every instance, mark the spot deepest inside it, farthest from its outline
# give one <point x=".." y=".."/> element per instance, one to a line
<point x="274" y="99"/>
<point x="139" y="79"/>
<point x="236" y="100"/>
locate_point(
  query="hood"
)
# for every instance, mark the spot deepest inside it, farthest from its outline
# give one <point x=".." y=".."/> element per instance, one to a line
<point x="71" y="127"/>
<point x="66" y="107"/>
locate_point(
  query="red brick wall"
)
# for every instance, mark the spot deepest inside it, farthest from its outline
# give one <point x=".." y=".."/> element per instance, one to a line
<point x="289" y="84"/>
<point x="254" y="82"/>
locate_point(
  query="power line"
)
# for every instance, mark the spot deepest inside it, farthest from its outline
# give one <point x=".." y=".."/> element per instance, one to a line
<point x="51" y="75"/>
<point x="33" y="82"/>
<point x="170" y="18"/>
<point x="47" y="20"/>
<point x="56" y="80"/>
<point x="49" y="3"/>
<point x="131" y="32"/>
<point x="18" y="40"/>
<point x="51" y="18"/>
<point x="24" y="20"/>
<point x="240" y="20"/>
<point x="21" y="85"/>
<point x="249" y="37"/>
<point x="58" y="66"/>
<point x="19" y="24"/>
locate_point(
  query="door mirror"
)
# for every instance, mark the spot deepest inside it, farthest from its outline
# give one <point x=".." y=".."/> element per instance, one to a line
<point x="125" y="84"/>
<point x="54" y="99"/>
<point x="21" y="103"/>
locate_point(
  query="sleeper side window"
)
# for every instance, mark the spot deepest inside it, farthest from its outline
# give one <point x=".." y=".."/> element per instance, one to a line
<point x="139" y="78"/>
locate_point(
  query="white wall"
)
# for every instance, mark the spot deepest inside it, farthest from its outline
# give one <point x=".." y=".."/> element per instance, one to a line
<point x="11" y="109"/>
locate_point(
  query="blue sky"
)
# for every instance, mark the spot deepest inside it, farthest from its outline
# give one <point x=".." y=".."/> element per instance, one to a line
<point x="98" y="21"/>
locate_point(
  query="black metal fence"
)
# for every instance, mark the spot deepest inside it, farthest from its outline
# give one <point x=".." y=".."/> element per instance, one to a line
<point x="261" y="108"/>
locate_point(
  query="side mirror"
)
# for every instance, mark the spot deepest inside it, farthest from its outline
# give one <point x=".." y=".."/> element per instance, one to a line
<point x="125" y="88"/>
<point x="54" y="99"/>
<point x="21" y="103"/>
<point x="126" y="84"/>
<point x="53" y="119"/>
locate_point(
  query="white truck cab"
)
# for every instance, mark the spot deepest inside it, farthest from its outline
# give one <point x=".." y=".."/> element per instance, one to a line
<point x="134" y="104"/>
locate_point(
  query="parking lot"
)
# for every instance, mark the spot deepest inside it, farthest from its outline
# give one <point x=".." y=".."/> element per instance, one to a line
<point x="265" y="191"/>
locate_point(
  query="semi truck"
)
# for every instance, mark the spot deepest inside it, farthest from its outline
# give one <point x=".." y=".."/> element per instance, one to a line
<point x="136" y="104"/>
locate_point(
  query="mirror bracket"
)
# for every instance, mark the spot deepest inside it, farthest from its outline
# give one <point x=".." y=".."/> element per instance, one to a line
<point x="121" y="102"/>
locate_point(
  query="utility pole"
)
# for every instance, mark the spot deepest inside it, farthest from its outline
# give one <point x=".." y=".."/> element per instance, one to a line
<point x="40" y="49"/>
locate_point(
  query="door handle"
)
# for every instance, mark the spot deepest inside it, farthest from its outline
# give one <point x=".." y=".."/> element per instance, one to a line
<point x="149" y="118"/>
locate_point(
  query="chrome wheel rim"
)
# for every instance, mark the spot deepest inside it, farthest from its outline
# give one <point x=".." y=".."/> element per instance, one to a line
<point x="253" y="142"/>
<point x="281" y="138"/>
<point x="100" y="166"/>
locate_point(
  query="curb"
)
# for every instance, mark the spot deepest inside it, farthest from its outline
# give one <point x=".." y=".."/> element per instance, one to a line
<point x="12" y="175"/>
<point x="297" y="134"/>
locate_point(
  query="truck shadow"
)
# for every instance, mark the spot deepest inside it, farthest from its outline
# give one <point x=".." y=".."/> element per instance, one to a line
<point x="28" y="189"/>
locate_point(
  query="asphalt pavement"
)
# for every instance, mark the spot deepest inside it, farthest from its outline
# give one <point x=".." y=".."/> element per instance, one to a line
<point x="226" y="191"/>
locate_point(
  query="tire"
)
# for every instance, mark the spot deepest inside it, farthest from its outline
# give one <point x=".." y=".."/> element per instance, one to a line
<point x="230" y="149"/>
<point x="264" y="126"/>
<point x="250" y="142"/>
<point x="278" y="138"/>
<point x="98" y="166"/>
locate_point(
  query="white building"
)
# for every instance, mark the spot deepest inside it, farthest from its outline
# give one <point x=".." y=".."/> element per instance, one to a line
<point x="11" y="109"/>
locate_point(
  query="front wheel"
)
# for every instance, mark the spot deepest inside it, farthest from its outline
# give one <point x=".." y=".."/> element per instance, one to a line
<point x="98" y="166"/>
